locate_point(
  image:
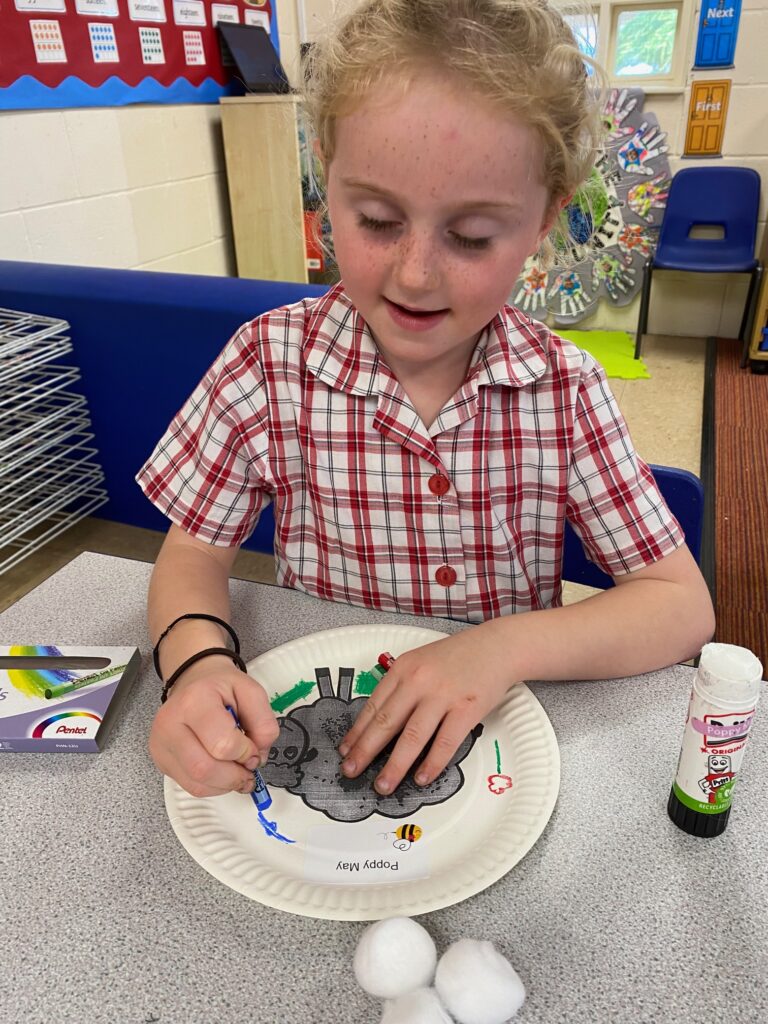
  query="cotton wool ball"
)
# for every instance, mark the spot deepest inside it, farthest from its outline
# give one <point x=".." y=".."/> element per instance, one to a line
<point x="394" y="957"/>
<point x="422" y="1006"/>
<point x="477" y="984"/>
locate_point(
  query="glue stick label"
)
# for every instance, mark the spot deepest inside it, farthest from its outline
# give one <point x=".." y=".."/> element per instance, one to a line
<point x="710" y="758"/>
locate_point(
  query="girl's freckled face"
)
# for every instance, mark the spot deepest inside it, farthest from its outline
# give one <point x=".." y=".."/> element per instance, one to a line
<point x="436" y="200"/>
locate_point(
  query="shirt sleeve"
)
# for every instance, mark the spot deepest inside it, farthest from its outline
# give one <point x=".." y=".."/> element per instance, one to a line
<point x="613" y="502"/>
<point x="208" y="472"/>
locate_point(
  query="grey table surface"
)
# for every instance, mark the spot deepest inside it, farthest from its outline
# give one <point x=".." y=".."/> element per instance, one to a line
<point x="614" y="915"/>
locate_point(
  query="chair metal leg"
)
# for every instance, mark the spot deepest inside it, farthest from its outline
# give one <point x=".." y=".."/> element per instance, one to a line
<point x="645" y="297"/>
<point x="748" y="319"/>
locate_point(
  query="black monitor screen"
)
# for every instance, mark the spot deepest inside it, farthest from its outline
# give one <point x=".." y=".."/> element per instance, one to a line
<point x="254" y="57"/>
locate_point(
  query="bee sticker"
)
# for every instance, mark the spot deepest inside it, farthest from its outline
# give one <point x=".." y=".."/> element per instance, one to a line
<point x="405" y="836"/>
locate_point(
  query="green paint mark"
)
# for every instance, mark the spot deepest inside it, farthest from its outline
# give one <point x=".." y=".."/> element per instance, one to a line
<point x="498" y="757"/>
<point x="281" y="701"/>
<point x="367" y="682"/>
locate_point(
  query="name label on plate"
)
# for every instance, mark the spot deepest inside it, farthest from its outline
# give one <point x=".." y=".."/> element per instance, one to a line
<point x="363" y="853"/>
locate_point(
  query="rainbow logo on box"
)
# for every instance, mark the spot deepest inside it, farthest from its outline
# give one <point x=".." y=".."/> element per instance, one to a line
<point x="41" y="729"/>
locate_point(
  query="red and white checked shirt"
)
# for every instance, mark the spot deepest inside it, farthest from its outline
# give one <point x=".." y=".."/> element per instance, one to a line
<point x="464" y="519"/>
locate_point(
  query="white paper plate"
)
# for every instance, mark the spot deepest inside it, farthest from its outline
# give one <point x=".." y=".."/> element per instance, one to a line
<point x="468" y="841"/>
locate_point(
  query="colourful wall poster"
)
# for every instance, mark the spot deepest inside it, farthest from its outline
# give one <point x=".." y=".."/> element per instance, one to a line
<point x="706" y="118"/>
<point x="82" y="53"/>
<point x="718" y="29"/>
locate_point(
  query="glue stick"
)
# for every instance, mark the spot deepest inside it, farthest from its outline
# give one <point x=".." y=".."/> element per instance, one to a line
<point x="725" y="692"/>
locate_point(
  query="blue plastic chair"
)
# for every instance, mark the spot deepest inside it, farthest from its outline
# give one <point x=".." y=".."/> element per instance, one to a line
<point x="684" y="495"/>
<point x="724" y="197"/>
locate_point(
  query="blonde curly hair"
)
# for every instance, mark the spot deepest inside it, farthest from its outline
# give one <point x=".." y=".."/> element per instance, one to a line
<point x="519" y="55"/>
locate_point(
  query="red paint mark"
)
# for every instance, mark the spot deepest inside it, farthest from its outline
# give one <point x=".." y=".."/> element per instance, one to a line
<point x="499" y="783"/>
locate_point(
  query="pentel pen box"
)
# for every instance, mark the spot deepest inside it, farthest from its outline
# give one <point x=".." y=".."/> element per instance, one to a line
<point x="62" y="699"/>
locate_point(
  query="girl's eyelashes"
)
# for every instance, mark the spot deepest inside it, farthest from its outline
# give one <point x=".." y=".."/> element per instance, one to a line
<point x="462" y="241"/>
<point x="372" y="224"/>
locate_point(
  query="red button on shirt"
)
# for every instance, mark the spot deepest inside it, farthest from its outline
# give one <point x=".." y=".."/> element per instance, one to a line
<point x="439" y="484"/>
<point x="446" y="576"/>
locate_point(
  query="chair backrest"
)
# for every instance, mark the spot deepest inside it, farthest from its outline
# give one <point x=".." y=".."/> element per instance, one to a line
<point x="684" y="496"/>
<point x="724" y="197"/>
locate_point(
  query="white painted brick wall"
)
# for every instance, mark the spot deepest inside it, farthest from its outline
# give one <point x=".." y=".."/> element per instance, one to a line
<point x="141" y="187"/>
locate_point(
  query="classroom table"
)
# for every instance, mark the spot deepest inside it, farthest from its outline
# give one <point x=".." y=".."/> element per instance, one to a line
<point x="613" y="915"/>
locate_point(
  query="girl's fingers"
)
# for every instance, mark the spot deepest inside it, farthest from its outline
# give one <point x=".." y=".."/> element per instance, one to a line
<point x="452" y="732"/>
<point x="372" y="711"/>
<point x="220" y="737"/>
<point x="256" y="716"/>
<point x="384" y="721"/>
<point x="182" y="756"/>
<point x="412" y="741"/>
<point x="196" y="740"/>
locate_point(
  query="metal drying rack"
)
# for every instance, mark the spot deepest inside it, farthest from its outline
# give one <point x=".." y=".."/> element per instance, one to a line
<point x="50" y="477"/>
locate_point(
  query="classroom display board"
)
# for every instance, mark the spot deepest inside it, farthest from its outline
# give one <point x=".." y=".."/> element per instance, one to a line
<point x="614" y="219"/>
<point x="83" y="53"/>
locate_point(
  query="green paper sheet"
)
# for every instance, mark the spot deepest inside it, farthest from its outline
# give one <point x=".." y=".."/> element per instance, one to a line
<point x="614" y="350"/>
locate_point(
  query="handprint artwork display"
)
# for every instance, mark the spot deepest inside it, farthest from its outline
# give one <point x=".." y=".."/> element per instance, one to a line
<point x="619" y="106"/>
<point x="635" y="239"/>
<point x="569" y="295"/>
<point x="613" y="220"/>
<point x="610" y="272"/>
<point x="647" y="196"/>
<point x="635" y="156"/>
<point x="532" y="295"/>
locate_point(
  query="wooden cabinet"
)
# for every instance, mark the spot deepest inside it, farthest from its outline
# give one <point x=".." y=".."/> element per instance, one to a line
<point x="261" y="147"/>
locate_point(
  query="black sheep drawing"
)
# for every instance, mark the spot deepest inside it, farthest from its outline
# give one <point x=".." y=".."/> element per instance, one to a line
<point x="304" y="760"/>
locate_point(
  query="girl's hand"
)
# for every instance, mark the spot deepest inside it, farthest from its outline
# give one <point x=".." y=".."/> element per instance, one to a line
<point x="443" y="690"/>
<point x="194" y="738"/>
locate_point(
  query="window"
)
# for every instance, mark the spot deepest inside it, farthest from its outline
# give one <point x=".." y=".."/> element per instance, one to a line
<point x="638" y="42"/>
<point x="643" y="41"/>
<point x="584" y="28"/>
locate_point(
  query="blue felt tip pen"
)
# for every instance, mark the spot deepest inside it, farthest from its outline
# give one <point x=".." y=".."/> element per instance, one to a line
<point x="260" y="794"/>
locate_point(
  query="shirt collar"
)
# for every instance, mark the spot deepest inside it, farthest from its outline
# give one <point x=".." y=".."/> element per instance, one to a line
<point x="340" y="350"/>
<point x="512" y="351"/>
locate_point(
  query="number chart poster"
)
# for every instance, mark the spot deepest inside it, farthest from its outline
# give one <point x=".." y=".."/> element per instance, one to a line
<point x="86" y="53"/>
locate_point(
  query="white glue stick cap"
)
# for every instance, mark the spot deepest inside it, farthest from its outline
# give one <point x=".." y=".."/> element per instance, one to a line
<point x="477" y="984"/>
<point x="728" y="674"/>
<point x="394" y="957"/>
<point x="420" y="1007"/>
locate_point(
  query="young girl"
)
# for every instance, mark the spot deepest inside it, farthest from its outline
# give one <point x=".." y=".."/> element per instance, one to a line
<point x="422" y="441"/>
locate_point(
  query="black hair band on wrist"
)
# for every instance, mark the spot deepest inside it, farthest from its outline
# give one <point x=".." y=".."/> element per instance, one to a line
<point x="191" y="615"/>
<point x="199" y="657"/>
